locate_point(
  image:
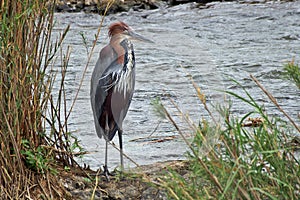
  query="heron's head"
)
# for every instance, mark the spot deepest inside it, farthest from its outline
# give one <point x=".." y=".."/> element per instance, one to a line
<point x="125" y="31"/>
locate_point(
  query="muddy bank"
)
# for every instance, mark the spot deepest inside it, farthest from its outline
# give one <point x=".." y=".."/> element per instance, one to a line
<point x="138" y="183"/>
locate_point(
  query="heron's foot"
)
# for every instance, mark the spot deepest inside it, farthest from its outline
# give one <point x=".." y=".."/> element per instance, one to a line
<point x="106" y="173"/>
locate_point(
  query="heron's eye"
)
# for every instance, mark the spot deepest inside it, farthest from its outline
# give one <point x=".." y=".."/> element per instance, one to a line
<point x="125" y="31"/>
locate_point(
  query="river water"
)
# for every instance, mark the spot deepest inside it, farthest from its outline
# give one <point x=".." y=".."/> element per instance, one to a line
<point x="222" y="42"/>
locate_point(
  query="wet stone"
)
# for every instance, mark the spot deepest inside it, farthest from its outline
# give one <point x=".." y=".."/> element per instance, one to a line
<point x="93" y="6"/>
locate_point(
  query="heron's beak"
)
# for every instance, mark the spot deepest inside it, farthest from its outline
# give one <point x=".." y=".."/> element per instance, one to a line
<point x="138" y="37"/>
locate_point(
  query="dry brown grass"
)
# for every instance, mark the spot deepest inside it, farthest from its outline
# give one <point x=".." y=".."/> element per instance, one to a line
<point x="26" y="152"/>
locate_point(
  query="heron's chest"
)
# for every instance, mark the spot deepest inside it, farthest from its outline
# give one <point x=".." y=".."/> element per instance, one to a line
<point x="126" y="81"/>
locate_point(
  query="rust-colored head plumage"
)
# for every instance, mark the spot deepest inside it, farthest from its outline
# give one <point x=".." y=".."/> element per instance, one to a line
<point x="117" y="28"/>
<point x="123" y="31"/>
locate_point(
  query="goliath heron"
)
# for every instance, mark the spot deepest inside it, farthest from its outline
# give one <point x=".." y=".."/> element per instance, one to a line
<point x="112" y="84"/>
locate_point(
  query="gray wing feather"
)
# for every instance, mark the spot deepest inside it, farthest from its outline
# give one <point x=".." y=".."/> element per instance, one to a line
<point x="106" y="58"/>
<point x="103" y="78"/>
<point x="105" y="83"/>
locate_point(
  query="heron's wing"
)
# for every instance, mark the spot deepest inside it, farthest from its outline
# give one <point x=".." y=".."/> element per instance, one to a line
<point x="103" y="100"/>
<point x="97" y="92"/>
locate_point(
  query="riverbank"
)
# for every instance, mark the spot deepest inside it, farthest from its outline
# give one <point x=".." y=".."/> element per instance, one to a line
<point x="137" y="183"/>
<point x="96" y="6"/>
<point x="253" y="157"/>
<point x="92" y="6"/>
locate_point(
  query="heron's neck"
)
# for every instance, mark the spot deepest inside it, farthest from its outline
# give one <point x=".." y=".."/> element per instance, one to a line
<point x="122" y="47"/>
<point x="125" y="81"/>
<point x="128" y="55"/>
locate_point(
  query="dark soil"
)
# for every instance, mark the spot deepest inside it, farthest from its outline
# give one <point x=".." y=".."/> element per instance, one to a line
<point x="139" y="183"/>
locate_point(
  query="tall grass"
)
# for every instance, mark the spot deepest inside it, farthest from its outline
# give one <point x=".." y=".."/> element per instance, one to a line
<point x="252" y="159"/>
<point x="35" y="141"/>
<point x="27" y="152"/>
<point x="292" y="72"/>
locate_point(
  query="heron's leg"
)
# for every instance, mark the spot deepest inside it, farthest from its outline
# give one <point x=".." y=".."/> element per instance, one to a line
<point x="106" y="172"/>
<point x="106" y="147"/>
<point x="120" y="132"/>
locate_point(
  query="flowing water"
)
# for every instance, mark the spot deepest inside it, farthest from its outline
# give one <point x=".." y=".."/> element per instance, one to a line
<point x="223" y="41"/>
